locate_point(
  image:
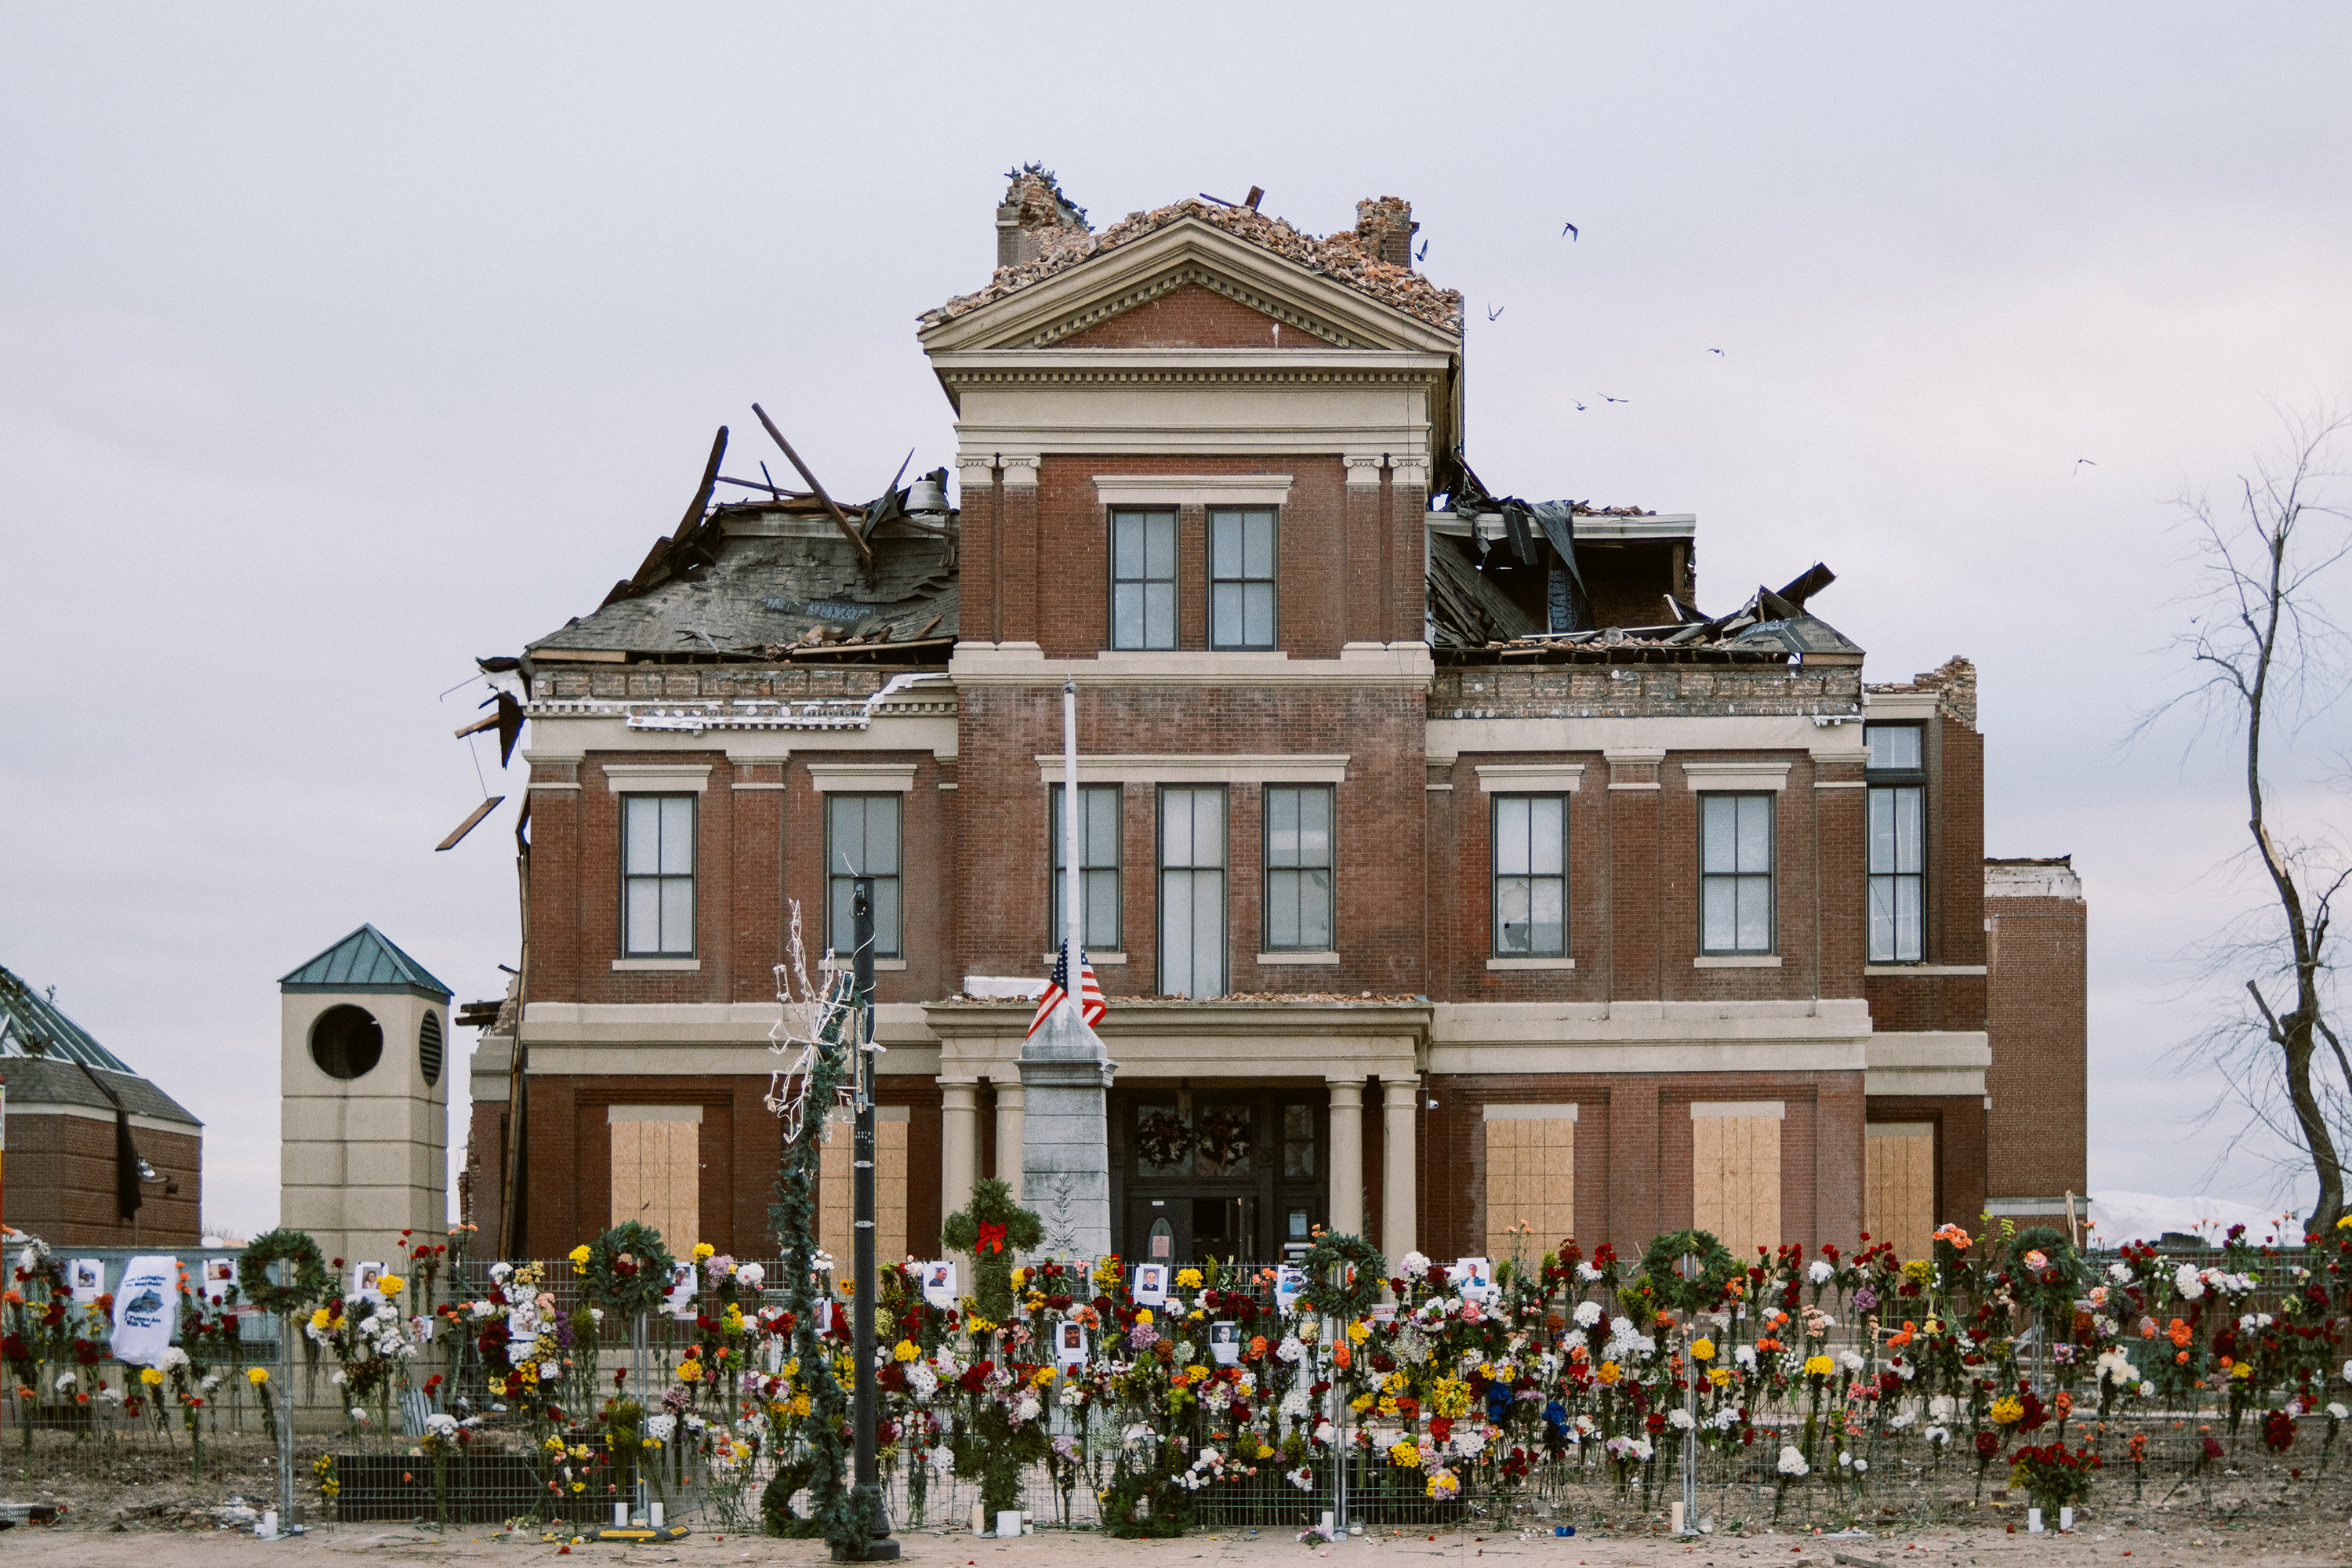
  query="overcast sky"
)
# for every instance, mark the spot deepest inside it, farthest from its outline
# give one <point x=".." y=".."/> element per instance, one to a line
<point x="338" y="345"/>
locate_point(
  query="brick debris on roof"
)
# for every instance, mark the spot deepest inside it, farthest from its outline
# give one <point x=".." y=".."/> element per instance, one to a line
<point x="1350" y="256"/>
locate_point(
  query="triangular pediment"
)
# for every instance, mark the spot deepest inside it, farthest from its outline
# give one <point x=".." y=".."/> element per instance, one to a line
<point x="1188" y="254"/>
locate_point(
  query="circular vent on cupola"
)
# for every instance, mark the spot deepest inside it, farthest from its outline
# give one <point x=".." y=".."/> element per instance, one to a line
<point x="428" y="1047"/>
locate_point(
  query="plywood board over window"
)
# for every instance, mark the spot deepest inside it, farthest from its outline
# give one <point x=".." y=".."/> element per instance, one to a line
<point x="1530" y="1178"/>
<point x="658" y="1168"/>
<point x="1736" y="1172"/>
<point x="1899" y="1201"/>
<point x="836" y="1186"/>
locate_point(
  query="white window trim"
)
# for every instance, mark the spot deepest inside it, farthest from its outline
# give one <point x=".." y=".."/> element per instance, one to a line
<point x="613" y="1113"/>
<point x="678" y="965"/>
<point x="1099" y="960"/>
<point x="1529" y="1112"/>
<point x="1193" y="490"/>
<point x="1898" y="970"/>
<point x="1706" y="1110"/>
<point x="1532" y="964"/>
<point x="1736" y="778"/>
<point x="1736" y="961"/>
<point x="1198" y="768"/>
<point x="1530" y="778"/>
<point x="844" y="965"/>
<point x="1898" y="1129"/>
<point x="862" y="778"/>
<point x="1325" y="960"/>
<point x="657" y="778"/>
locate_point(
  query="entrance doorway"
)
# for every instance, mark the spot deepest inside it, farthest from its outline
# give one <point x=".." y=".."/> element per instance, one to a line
<point x="1231" y="1174"/>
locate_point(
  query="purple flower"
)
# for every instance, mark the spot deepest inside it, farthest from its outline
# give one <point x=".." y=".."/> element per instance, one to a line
<point x="1866" y="1300"/>
<point x="1143" y="1336"/>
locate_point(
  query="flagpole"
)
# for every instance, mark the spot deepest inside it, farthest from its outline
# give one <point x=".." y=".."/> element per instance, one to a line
<point x="1070" y="805"/>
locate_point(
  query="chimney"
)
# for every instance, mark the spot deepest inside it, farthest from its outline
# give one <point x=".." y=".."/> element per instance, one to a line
<point x="1384" y="228"/>
<point x="1032" y="212"/>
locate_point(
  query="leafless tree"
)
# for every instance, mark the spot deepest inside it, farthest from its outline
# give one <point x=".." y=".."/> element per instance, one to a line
<point x="2265" y="658"/>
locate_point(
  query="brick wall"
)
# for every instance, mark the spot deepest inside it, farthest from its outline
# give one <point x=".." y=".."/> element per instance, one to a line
<point x="1960" y="1124"/>
<point x="60" y="1183"/>
<point x="2040" y="1028"/>
<point x="1634" y="1154"/>
<point x="1192" y="317"/>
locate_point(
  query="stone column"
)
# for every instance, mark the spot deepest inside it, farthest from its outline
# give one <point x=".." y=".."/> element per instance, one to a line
<point x="1346" y="1200"/>
<point x="1398" y="1188"/>
<point x="1010" y="1101"/>
<point x="959" y="1144"/>
<point x="1019" y="555"/>
<point x="1066" y="1135"/>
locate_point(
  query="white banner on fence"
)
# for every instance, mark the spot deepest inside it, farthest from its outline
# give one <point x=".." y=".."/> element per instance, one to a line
<point x="144" y="1305"/>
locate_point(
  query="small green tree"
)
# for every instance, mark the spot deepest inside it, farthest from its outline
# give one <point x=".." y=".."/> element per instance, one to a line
<point x="990" y="1447"/>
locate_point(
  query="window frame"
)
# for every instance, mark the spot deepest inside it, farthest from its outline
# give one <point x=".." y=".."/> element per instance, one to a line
<point x="1267" y="868"/>
<point x="1893" y="782"/>
<point x="1224" y="870"/>
<point x="1055" y="870"/>
<point x="1769" y="875"/>
<point x="691" y="876"/>
<point x="888" y="943"/>
<point x="1272" y="580"/>
<point x="1174" y="580"/>
<point x="1494" y="875"/>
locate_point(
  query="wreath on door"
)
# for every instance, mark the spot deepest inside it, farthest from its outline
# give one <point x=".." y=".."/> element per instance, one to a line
<point x="627" y="1269"/>
<point x="1662" y="1272"/>
<point x="1163" y="1138"/>
<point x="1225" y="1135"/>
<point x="1330" y="1290"/>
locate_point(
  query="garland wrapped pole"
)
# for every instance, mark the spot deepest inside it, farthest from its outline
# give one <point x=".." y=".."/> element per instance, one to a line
<point x="302" y="1284"/>
<point x="867" y="1506"/>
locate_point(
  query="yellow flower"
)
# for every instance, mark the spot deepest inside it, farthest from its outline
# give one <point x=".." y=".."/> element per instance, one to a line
<point x="150" y="1376"/>
<point x="2244" y="1370"/>
<point x="703" y="1249"/>
<point x="1450" y="1397"/>
<point x="1143" y="1314"/>
<point x="690" y="1371"/>
<point x="905" y="1350"/>
<point x="1609" y="1372"/>
<point x="579" y="1254"/>
<point x="1406" y="1455"/>
<point x="319" y="1320"/>
<point x="800" y="1405"/>
<point x="1188" y="1278"/>
<point x="1918" y="1271"/>
<point x="257" y="1375"/>
<point x="1387" y="1405"/>
<point x="553" y="1445"/>
<point x="1702" y="1350"/>
<point x="1819" y="1366"/>
<point x="1362" y="1402"/>
<point x="2008" y="1410"/>
<point x="1359" y="1330"/>
<point x="390" y="1285"/>
<point x="1719" y="1375"/>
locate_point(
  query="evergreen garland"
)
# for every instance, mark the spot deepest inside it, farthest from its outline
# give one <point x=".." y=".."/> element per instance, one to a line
<point x="832" y="1507"/>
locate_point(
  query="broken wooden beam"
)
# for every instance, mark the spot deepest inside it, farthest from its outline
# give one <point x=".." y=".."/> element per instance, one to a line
<point x="468" y="825"/>
<point x="848" y="528"/>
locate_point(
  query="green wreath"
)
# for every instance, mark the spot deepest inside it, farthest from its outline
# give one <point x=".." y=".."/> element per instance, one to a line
<point x="627" y="1268"/>
<point x="2054" y="1298"/>
<point x="1326" y="1291"/>
<point x="1717" y="1270"/>
<point x="307" y="1284"/>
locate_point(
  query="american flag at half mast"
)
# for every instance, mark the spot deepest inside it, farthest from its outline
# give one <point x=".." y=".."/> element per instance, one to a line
<point x="1090" y="996"/>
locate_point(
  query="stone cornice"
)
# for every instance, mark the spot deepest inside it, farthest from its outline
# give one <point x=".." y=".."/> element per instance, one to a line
<point x="1187" y="367"/>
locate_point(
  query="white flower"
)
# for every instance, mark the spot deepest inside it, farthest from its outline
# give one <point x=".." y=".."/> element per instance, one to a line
<point x="174" y="1359"/>
<point x="2115" y="1367"/>
<point x="1902" y="1420"/>
<point x="1587" y="1273"/>
<point x="1940" y="1408"/>
<point x="1937" y="1435"/>
<point x="2147" y="1391"/>
<point x="1295" y="1404"/>
<point x="1289" y="1350"/>
<point x="1644" y="1448"/>
<point x="1845" y="1461"/>
<point x="2118" y="1272"/>
<point x="1028" y="1409"/>
<point x="661" y="1427"/>
<point x="1680" y="1420"/>
<point x="1860" y="1466"/>
<point x="1818" y="1272"/>
<point x="1415" y="1264"/>
<point x="2336" y="1413"/>
<point x="1323" y="1432"/>
<point x="65" y="1381"/>
<point x="1745" y="1355"/>
<point x="357" y="1414"/>
<point x="1792" y="1463"/>
<point x="1850" y="1360"/>
<point x="1587" y="1314"/>
<point x="752" y="1276"/>
<point x="1469" y="1440"/>
<point x="2188" y="1282"/>
<point x="440" y="1425"/>
<point x="501" y="1272"/>
<point x="922" y="1380"/>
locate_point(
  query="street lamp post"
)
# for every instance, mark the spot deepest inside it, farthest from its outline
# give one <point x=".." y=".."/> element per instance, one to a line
<point x="867" y="1492"/>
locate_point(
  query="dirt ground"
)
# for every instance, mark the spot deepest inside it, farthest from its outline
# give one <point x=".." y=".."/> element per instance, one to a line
<point x="2203" y="1543"/>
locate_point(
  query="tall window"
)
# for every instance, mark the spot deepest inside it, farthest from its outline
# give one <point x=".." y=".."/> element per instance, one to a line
<point x="1298" y="869"/>
<point x="657" y="875"/>
<point x="861" y="840"/>
<point x="1192" y="892"/>
<point x="1898" y="856"/>
<point x="1735" y="864"/>
<point x="1098" y="868"/>
<point x="1142" y="579"/>
<point x="1240" y="579"/>
<point x="1531" y="876"/>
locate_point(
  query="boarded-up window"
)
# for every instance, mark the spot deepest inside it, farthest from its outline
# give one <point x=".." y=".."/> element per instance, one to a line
<point x="657" y="1170"/>
<point x="1531" y="1179"/>
<point x="1899" y="1206"/>
<point x="836" y="1186"/>
<point x="1736" y="1172"/>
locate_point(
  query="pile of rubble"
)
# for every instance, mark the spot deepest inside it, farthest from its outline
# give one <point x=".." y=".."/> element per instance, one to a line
<point x="1351" y="257"/>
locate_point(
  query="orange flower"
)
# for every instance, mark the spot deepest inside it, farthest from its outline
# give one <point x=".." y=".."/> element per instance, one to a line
<point x="1895" y="1342"/>
<point x="2182" y="1358"/>
<point x="1341" y="1355"/>
<point x="1257" y="1347"/>
<point x="2179" y="1333"/>
<point x="2065" y="1402"/>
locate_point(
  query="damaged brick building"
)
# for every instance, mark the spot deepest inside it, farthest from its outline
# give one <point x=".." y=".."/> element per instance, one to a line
<point x="1451" y="874"/>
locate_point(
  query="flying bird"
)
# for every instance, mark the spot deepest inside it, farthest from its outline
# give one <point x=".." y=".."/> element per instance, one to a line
<point x="1714" y="351"/>
<point x="1606" y="398"/>
<point x="1495" y="312"/>
<point x="2080" y="461"/>
<point x="1579" y="407"/>
<point x="1569" y="230"/>
<point x="1423" y="254"/>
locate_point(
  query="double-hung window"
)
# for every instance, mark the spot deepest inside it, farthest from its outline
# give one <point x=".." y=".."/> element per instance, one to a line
<point x="657" y="875"/>
<point x="861" y="840"/>
<point x="1530" y="876"/>
<point x="1142" y="579"/>
<point x="1241" y="578"/>
<point x="1193" y="891"/>
<point x="1898" y="856"/>
<point x="1098" y="868"/>
<point x="1735" y="865"/>
<point x="1298" y="869"/>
